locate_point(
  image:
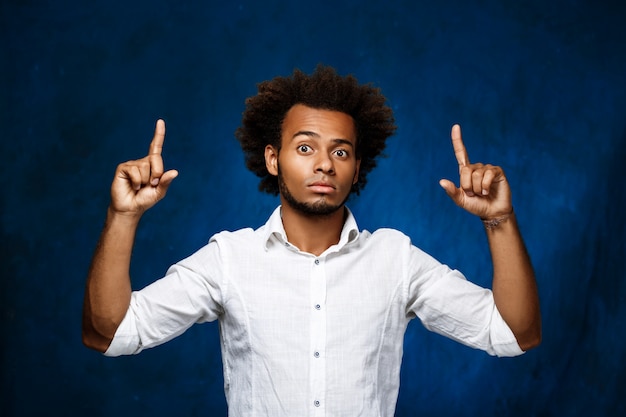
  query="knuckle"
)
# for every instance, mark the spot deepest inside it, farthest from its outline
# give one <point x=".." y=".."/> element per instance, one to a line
<point x="125" y="165"/>
<point x="143" y="164"/>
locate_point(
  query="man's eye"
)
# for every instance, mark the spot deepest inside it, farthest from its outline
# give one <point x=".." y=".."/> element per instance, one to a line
<point x="303" y="148"/>
<point x="341" y="153"/>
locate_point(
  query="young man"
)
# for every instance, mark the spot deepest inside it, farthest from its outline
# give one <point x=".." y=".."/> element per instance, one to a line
<point x="312" y="311"/>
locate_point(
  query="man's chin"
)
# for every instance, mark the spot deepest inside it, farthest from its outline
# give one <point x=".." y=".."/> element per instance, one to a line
<point x="320" y="205"/>
<point x="314" y="209"/>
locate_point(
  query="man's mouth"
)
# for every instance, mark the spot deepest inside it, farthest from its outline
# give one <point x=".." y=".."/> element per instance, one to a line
<point x="321" y="187"/>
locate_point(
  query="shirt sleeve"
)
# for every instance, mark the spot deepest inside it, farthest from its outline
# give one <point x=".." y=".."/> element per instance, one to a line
<point x="448" y="304"/>
<point x="190" y="292"/>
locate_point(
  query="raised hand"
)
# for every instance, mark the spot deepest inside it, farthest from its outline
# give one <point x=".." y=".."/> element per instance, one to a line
<point x="483" y="190"/>
<point x="140" y="184"/>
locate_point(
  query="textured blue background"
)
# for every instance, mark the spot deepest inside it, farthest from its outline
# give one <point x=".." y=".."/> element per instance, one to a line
<point x="539" y="88"/>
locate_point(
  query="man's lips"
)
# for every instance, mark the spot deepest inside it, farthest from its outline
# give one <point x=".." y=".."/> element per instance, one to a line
<point x="321" y="187"/>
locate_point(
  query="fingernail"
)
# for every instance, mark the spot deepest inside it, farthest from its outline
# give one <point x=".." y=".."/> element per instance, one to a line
<point x="154" y="182"/>
<point x="485" y="192"/>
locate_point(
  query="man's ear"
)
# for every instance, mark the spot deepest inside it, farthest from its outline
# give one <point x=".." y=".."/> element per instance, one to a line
<point x="356" y="172"/>
<point x="271" y="160"/>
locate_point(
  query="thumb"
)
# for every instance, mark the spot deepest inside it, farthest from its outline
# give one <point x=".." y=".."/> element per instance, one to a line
<point x="450" y="189"/>
<point x="165" y="180"/>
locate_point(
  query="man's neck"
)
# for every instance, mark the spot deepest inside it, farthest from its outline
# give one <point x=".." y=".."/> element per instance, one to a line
<point x="312" y="234"/>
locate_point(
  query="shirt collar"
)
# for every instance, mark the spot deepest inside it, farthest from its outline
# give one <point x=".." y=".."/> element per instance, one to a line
<point x="274" y="229"/>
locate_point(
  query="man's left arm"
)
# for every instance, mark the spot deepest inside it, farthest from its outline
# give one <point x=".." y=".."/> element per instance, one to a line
<point x="484" y="191"/>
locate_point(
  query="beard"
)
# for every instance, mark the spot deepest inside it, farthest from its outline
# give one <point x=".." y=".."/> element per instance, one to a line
<point x="320" y="208"/>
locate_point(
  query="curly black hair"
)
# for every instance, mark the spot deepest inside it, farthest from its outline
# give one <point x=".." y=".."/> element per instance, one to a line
<point x="324" y="89"/>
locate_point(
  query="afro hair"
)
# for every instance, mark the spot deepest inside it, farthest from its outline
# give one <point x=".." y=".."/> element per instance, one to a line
<point x="323" y="89"/>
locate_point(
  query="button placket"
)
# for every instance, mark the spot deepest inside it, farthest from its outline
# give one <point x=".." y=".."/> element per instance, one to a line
<point x="318" y="334"/>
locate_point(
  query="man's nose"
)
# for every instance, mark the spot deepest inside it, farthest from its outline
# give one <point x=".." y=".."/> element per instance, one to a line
<point x="324" y="163"/>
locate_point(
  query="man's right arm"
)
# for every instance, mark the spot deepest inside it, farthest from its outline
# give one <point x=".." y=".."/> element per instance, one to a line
<point x="137" y="186"/>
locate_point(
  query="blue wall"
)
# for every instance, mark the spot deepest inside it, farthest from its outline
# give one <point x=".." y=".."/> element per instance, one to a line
<point x="539" y="88"/>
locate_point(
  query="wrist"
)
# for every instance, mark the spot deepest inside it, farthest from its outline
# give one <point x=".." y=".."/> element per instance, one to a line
<point x="123" y="218"/>
<point x="494" y="222"/>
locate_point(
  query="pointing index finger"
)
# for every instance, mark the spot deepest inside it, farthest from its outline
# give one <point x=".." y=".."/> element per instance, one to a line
<point x="459" y="148"/>
<point x="154" y="153"/>
<point x="156" y="146"/>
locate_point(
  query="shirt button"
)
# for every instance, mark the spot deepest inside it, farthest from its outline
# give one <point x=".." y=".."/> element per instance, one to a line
<point x="316" y="354"/>
<point x="317" y="262"/>
<point x="316" y="403"/>
<point x="317" y="306"/>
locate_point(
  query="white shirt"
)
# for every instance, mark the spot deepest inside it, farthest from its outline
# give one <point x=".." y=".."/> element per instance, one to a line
<point x="306" y="335"/>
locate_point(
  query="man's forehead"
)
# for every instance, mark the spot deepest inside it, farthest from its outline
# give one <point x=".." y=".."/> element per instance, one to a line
<point x="318" y="121"/>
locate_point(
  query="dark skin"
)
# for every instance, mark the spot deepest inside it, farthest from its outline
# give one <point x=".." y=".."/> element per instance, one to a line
<point x="484" y="191"/>
<point x="318" y="165"/>
<point x="137" y="186"/>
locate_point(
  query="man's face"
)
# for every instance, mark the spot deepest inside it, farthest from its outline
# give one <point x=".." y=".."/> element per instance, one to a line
<point x="317" y="164"/>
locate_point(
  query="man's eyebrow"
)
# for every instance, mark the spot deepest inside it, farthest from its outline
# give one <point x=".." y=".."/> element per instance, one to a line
<point x="305" y="133"/>
<point x="316" y="135"/>
<point x="343" y="142"/>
